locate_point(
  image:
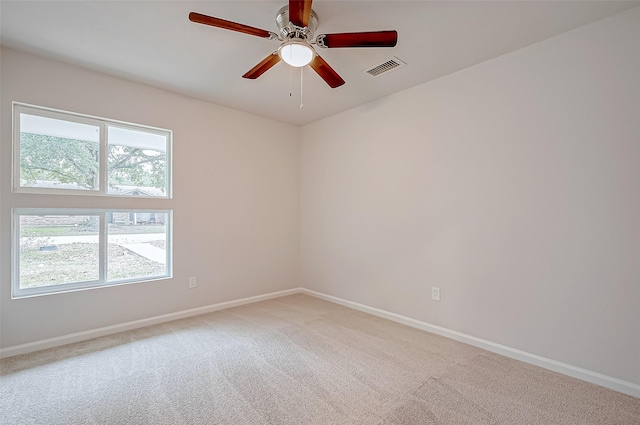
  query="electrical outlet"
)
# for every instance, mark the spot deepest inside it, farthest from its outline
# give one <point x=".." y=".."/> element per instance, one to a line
<point x="193" y="282"/>
<point x="435" y="293"/>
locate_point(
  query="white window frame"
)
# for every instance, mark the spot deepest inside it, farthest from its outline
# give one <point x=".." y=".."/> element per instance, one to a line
<point x="103" y="124"/>
<point x="17" y="292"/>
<point x="83" y="205"/>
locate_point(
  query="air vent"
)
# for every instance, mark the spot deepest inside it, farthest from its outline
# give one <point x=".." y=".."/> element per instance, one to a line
<point x="385" y="67"/>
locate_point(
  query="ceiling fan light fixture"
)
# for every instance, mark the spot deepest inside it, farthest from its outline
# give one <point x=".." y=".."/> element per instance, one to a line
<point x="297" y="23"/>
<point x="296" y="53"/>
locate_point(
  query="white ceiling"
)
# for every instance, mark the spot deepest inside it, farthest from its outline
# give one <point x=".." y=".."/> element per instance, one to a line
<point x="154" y="42"/>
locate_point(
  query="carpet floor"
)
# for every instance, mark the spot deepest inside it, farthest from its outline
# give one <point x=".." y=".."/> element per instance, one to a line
<point x="293" y="360"/>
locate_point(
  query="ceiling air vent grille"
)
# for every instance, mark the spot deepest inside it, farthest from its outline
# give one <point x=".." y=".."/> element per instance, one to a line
<point x="387" y="66"/>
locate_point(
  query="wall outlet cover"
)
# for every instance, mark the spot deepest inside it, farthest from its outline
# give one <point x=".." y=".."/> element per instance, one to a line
<point x="435" y="293"/>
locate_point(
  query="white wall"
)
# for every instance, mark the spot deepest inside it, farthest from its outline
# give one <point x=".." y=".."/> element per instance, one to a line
<point x="513" y="185"/>
<point x="236" y="186"/>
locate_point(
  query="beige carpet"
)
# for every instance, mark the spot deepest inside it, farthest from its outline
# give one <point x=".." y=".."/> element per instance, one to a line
<point x="293" y="360"/>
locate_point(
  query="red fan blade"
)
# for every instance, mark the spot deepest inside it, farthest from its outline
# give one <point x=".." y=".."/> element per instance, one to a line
<point x="325" y="72"/>
<point x="228" y="25"/>
<point x="358" y="39"/>
<point x="299" y="12"/>
<point x="263" y="66"/>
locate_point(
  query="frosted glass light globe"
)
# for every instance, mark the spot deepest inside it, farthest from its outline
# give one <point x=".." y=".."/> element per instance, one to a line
<point x="296" y="53"/>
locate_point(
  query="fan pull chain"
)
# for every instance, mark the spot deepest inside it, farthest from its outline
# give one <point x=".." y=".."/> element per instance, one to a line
<point x="290" y="81"/>
<point x="301" y="104"/>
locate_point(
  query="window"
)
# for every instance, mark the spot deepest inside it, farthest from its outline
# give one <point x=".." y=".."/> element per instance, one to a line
<point x="64" y="249"/>
<point x="61" y="152"/>
<point x="58" y="250"/>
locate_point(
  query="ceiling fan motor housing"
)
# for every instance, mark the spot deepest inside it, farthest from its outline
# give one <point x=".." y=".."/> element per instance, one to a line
<point x="289" y="30"/>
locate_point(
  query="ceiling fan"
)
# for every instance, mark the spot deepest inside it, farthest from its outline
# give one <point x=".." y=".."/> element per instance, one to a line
<point x="296" y="23"/>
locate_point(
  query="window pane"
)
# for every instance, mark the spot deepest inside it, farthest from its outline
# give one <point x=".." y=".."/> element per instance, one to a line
<point x="137" y="162"/>
<point x="58" y="249"/>
<point x="136" y="244"/>
<point x="58" y="154"/>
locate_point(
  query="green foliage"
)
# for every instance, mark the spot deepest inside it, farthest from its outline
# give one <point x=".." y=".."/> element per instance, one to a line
<point x="136" y="167"/>
<point x="54" y="158"/>
<point x="77" y="161"/>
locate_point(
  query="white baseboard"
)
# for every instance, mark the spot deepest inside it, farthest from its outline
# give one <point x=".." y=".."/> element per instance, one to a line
<point x="563" y="368"/>
<point x="109" y="330"/>
<point x="556" y="366"/>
